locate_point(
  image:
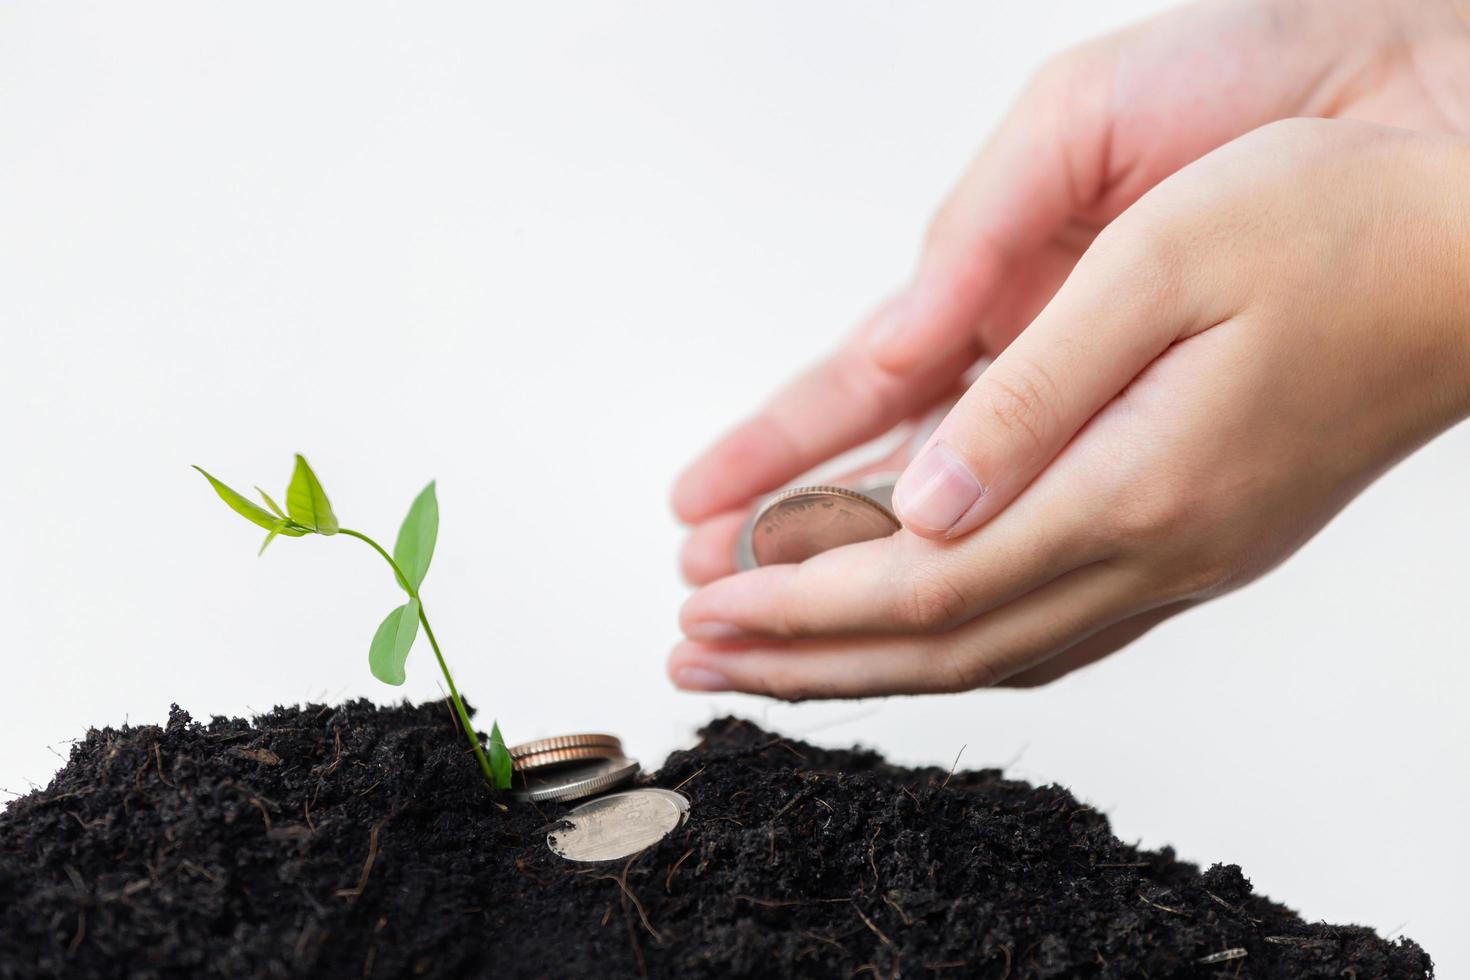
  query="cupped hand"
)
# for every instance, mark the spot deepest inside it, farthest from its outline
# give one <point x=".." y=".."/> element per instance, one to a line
<point x="1231" y="361"/>
<point x="1097" y="128"/>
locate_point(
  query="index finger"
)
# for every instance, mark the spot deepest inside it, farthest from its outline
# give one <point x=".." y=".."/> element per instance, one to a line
<point x="834" y="405"/>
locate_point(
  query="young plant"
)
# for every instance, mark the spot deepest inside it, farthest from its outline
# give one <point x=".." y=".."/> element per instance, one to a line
<point x="309" y="512"/>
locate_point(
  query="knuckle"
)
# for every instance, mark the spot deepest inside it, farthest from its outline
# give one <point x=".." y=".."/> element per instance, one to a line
<point x="961" y="668"/>
<point x="1200" y="579"/>
<point x="802" y="687"/>
<point x="1057" y="74"/>
<point x="943" y="228"/>
<point x="1155" y="509"/>
<point x="1021" y="398"/>
<point x="1291" y="131"/>
<point x="1144" y="249"/>
<point x="1032" y="681"/>
<point x="793" y="617"/>
<point x="931" y="602"/>
<point x="792" y="693"/>
<point x="796" y="610"/>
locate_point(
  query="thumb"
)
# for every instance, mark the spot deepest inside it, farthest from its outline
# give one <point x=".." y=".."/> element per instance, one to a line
<point x="1120" y="309"/>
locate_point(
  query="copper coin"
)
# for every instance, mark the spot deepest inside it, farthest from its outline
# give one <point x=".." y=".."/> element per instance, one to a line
<point x="806" y="521"/>
<point x="878" y="487"/>
<point x="557" y="757"/>
<point x="539" y="745"/>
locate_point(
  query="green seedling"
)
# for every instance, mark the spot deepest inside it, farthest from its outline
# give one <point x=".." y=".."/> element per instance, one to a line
<point x="309" y="512"/>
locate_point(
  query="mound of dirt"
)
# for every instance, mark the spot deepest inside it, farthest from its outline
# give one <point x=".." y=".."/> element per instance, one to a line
<point x="357" y="841"/>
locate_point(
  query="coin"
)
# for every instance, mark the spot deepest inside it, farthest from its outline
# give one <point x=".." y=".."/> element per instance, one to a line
<point x="616" y="826"/>
<point x="805" y="521"/>
<point x="744" y="554"/>
<point x="537" y="746"/>
<point x="573" y="781"/>
<point x="557" y="757"/>
<point x="678" y="799"/>
<point x="878" y="486"/>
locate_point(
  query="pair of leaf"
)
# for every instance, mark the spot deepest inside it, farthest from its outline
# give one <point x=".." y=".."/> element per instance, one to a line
<point x="306" y="504"/>
<point x="308" y="511"/>
<point x="412" y="553"/>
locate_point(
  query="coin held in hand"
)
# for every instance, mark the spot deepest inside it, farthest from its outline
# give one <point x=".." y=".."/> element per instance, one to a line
<point x="805" y="521"/>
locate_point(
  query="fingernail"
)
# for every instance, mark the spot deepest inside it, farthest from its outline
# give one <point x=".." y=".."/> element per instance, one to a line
<point x="936" y="490"/>
<point x="712" y="632"/>
<point x="700" y="679"/>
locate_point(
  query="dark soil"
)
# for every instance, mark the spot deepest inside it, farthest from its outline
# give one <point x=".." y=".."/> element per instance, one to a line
<point x="357" y="841"/>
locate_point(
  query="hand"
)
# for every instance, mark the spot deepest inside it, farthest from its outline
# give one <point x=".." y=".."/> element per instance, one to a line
<point x="1233" y="359"/>
<point x="1097" y="128"/>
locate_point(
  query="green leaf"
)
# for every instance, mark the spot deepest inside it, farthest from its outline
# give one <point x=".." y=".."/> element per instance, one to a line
<point x="266" y="543"/>
<point x="392" y="642"/>
<point x="275" y="507"/>
<point x="246" y="508"/>
<point x="415" y="546"/>
<point x="307" y="502"/>
<point x="499" y="758"/>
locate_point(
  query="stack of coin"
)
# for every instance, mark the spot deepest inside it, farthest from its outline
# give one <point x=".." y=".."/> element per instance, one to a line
<point x="796" y="524"/>
<point x="613" y="826"/>
<point x="564" y="748"/>
<point x="569" y="767"/>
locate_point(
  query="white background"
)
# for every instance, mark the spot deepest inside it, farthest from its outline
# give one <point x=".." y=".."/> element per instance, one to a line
<point x="544" y="257"/>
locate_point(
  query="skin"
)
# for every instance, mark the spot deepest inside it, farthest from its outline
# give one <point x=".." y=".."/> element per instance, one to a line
<point x="1213" y="323"/>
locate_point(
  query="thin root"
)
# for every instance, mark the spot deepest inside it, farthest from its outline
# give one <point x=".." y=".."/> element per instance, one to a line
<point x="669" y="879"/>
<point x="353" y="894"/>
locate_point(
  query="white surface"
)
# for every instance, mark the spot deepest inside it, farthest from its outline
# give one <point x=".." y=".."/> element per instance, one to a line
<point x="544" y="258"/>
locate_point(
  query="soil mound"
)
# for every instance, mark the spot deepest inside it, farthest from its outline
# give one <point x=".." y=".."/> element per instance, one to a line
<point x="357" y="841"/>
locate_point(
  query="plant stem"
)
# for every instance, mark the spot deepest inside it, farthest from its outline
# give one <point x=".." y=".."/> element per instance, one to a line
<point x="459" y="709"/>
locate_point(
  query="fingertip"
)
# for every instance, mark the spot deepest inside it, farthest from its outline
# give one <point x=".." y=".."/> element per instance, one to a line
<point x="938" y="496"/>
<point x="699" y="566"/>
<point x="709" y="551"/>
<point x="689" y="670"/>
<point x="739" y="466"/>
<point x="935" y="318"/>
<point x="686" y="498"/>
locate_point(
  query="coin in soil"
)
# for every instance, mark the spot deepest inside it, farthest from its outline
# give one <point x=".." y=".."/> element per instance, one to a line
<point x="617" y="825"/>
<point x="574" y="780"/>
<point x="557" y="757"/>
<point x="673" y="796"/>
<point x="555" y="742"/>
<point x="805" y="521"/>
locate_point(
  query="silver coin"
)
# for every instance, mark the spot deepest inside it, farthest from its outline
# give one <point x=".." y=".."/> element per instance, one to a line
<point x="615" y="826"/>
<point x="744" y="549"/>
<point x="574" y="781"/>
<point x="877" y="486"/>
<point x="678" y="799"/>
